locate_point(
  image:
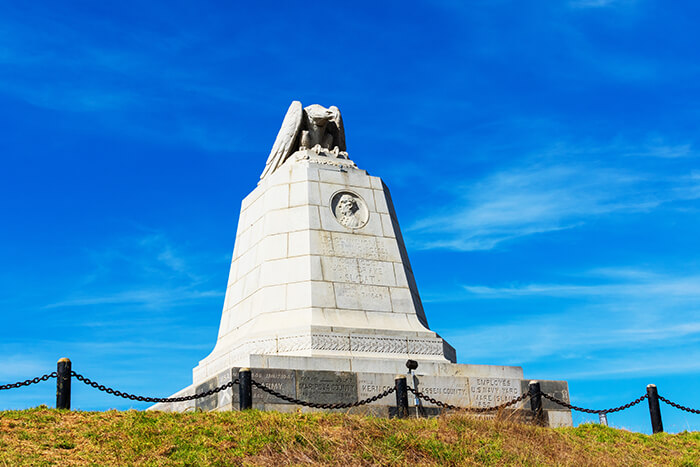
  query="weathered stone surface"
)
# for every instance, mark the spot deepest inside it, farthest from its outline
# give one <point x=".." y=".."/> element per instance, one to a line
<point x="490" y="392"/>
<point x="225" y="397"/>
<point x="326" y="387"/>
<point x="558" y="389"/>
<point x="371" y="384"/>
<point x="282" y="381"/>
<point x="454" y="391"/>
<point x="559" y="418"/>
<point x="208" y="403"/>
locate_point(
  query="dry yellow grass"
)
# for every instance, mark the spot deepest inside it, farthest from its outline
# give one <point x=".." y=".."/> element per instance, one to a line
<point x="44" y="437"/>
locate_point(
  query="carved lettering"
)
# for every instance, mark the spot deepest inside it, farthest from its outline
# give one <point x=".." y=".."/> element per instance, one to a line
<point x="488" y="392"/>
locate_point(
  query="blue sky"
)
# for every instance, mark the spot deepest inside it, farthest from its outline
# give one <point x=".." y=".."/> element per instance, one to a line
<point x="542" y="156"/>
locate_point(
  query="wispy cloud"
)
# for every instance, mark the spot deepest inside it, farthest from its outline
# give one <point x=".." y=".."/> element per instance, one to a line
<point x="146" y="270"/>
<point x="601" y="327"/>
<point x="152" y="298"/>
<point x="600" y="3"/>
<point x="686" y="287"/>
<point x="544" y="197"/>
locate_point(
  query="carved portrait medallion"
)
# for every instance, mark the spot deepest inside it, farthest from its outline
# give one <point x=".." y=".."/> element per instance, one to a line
<point x="349" y="209"/>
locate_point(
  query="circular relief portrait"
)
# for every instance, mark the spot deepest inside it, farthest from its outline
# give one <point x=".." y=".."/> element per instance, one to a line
<point x="349" y="209"/>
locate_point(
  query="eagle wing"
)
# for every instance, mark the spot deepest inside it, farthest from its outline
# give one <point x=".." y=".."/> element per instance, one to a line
<point x="286" y="139"/>
<point x="339" y="129"/>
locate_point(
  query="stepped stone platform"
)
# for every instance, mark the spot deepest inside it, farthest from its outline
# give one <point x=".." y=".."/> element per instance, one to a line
<point x="321" y="301"/>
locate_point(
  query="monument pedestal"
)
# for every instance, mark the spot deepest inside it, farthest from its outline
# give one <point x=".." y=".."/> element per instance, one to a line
<point x="313" y="278"/>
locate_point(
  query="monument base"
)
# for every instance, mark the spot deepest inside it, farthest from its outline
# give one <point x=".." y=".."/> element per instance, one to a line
<point x="329" y="380"/>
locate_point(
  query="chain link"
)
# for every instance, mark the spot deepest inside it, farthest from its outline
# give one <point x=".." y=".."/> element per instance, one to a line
<point x="445" y="405"/>
<point x="678" y="406"/>
<point x="28" y="382"/>
<point x="603" y="411"/>
<point x="316" y="405"/>
<point x="133" y="397"/>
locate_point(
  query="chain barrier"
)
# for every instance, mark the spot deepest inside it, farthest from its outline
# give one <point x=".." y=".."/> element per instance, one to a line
<point x="678" y="406"/>
<point x="445" y="405"/>
<point x="134" y="397"/>
<point x="28" y="382"/>
<point x="603" y="411"/>
<point x="348" y="405"/>
<point x="316" y="405"/>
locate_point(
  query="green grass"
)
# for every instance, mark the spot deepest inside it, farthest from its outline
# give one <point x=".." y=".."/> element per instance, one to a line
<point x="49" y="437"/>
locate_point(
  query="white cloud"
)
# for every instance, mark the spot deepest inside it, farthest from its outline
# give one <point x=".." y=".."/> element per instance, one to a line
<point x="603" y="327"/>
<point x="546" y="197"/>
<point x="687" y="287"/>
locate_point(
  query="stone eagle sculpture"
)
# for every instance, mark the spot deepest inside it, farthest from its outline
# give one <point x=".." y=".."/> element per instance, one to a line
<point x="314" y="128"/>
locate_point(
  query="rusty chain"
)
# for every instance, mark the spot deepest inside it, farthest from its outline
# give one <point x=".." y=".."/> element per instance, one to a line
<point x="445" y="405"/>
<point x="678" y="406"/>
<point x="317" y="405"/>
<point x="28" y="382"/>
<point x="603" y="411"/>
<point x="133" y="397"/>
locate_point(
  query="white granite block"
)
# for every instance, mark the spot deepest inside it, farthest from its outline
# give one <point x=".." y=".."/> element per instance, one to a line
<point x="376" y="183"/>
<point x="274" y="298"/>
<point x="380" y="201"/>
<point x="252" y="282"/>
<point x="274" y="272"/>
<point x="298" y="194"/>
<point x="401" y="280"/>
<point x="323" y="294"/>
<point x="363" y="297"/>
<point x="340" y="269"/>
<point x="387" y="227"/>
<point x="276" y="197"/>
<point x="304" y="173"/>
<point x="374" y="225"/>
<point x="233" y="272"/>
<point x="388" y="249"/>
<point x="376" y="272"/>
<point x="272" y="247"/>
<point x="315" y="269"/>
<point x="299" y="295"/>
<point x="300" y="242"/>
<point x="401" y="301"/>
<point x="345" y="318"/>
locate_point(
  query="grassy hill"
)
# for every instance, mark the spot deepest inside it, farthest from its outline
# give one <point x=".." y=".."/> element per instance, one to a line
<point x="43" y="436"/>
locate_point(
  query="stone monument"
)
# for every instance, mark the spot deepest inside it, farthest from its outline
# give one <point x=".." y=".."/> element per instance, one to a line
<point x="321" y="301"/>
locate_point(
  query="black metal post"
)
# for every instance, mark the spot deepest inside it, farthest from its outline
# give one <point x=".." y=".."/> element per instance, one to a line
<point x="536" y="401"/>
<point x="654" y="410"/>
<point x="63" y="379"/>
<point x="401" y="396"/>
<point x="245" y="389"/>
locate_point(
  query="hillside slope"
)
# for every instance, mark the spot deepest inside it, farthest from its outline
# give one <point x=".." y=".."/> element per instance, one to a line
<point x="45" y="436"/>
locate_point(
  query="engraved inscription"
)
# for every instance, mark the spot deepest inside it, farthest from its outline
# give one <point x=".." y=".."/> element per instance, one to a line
<point x="489" y="392"/>
<point x="450" y="390"/>
<point x="326" y="387"/>
<point x="282" y="381"/>
<point x="371" y="384"/>
<point x="358" y="271"/>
